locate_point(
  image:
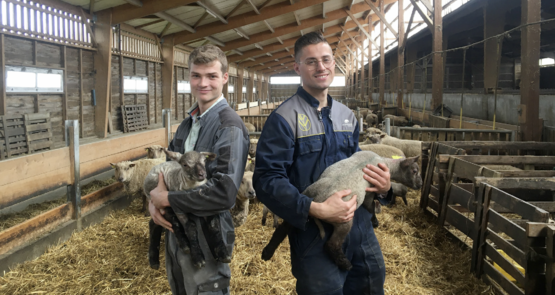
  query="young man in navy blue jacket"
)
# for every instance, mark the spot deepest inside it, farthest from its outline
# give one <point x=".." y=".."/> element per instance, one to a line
<point x="306" y="134"/>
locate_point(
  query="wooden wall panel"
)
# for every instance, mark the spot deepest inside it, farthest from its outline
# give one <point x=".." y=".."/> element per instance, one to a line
<point x="18" y="51"/>
<point x="20" y="104"/>
<point x="117" y="120"/>
<point x="88" y="85"/>
<point x="50" y="55"/>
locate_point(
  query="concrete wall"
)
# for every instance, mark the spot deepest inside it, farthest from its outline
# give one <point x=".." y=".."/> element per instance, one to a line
<point x="481" y="106"/>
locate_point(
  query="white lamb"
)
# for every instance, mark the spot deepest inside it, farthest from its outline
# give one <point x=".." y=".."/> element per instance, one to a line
<point x="155" y="151"/>
<point x="246" y="192"/>
<point x="411" y="148"/>
<point x="252" y="147"/>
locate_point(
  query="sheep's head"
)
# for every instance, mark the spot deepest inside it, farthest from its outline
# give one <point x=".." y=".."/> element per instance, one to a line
<point x="192" y="163"/>
<point x="123" y="171"/>
<point x="246" y="189"/>
<point x="252" y="147"/>
<point x="155" y="151"/>
<point x="376" y="138"/>
<point x="410" y="173"/>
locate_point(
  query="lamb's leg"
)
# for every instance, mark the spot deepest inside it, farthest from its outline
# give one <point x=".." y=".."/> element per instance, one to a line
<point x="276" y="220"/>
<point x="196" y="252"/>
<point x="265" y="211"/>
<point x="333" y="246"/>
<point x="370" y="205"/>
<point x="178" y="230"/>
<point x="404" y="197"/>
<point x="155" y="232"/>
<point x="215" y="240"/>
<point x="279" y="235"/>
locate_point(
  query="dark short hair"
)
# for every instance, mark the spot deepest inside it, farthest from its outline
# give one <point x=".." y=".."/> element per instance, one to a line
<point x="308" y="39"/>
<point x="206" y="54"/>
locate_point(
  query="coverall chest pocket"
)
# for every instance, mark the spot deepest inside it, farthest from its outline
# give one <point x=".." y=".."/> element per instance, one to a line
<point x="310" y="146"/>
<point x="347" y="143"/>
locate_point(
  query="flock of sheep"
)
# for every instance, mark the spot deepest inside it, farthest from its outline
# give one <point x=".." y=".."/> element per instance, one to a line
<point x="141" y="176"/>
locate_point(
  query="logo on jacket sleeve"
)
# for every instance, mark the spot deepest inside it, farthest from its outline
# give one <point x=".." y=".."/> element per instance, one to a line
<point x="304" y="122"/>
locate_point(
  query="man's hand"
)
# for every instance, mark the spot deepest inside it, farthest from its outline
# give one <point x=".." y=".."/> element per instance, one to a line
<point x="334" y="209"/>
<point x="157" y="216"/>
<point x="159" y="195"/>
<point x="379" y="177"/>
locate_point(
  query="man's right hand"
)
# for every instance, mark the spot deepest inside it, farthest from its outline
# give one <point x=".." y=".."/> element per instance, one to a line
<point x="158" y="218"/>
<point x="334" y="209"/>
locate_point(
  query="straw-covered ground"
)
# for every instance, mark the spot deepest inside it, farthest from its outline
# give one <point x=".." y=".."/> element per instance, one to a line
<point x="110" y="258"/>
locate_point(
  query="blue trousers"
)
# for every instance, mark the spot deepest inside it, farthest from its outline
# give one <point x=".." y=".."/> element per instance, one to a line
<point x="317" y="274"/>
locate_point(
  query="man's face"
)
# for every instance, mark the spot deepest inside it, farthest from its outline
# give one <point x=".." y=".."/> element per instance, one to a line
<point x="207" y="81"/>
<point x="317" y="77"/>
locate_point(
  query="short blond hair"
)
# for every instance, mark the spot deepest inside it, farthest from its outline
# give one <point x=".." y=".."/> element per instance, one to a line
<point x="206" y="54"/>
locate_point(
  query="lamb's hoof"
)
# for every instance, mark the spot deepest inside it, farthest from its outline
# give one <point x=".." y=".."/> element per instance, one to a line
<point x="186" y="250"/>
<point x="199" y="264"/>
<point x="155" y="266"/>
<point x="222" y="255"/>
<point x="405" y="201"/>
<point x="345" y="265"/>
<point x="226" y="259"/>
<point x="264" y="222"/>
<point x="267" y="254"/>
<point x="375" y="224"/>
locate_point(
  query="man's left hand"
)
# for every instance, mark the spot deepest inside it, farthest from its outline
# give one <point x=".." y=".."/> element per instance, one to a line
<point x="159" y="195"/>
<point x="379" y="177"/>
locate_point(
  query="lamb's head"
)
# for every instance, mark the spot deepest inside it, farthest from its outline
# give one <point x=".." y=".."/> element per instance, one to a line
<point x="376" y="138"/>
<point x="252" y="147"/>
<point x="246" y="189"/>
<point x="123" y="171"/>
<point x="193" y="163"/>
<point x="155" y="151"/>
<point x="410" y="173"/>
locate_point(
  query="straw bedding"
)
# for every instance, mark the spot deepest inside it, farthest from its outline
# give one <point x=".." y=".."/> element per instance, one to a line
<point x="111" y="258"/>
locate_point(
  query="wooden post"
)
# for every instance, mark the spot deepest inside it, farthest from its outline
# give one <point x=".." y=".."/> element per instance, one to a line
<point x="239" y="86"/>
<point x="148" y="92"/>
<point x="529" y="108"/>
<point x="437" y="72"/>
<point x="400" y="55"/>
<point x="64" y="95"/>
<point x="382" y="58"/>
<point x="167" y="72"/>
<point x="370" y="91"/>
<point x="81" y="117"/>
<point x="356" y="74"/>
<point x="2" y="76"/>
<point x="155" y="93"/>
<point x="102" y="65"/>
<point x="362" y="74"/>
<point x="494" y="23"/>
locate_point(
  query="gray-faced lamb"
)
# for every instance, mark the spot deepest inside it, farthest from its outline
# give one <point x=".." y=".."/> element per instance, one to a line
<point x="265" y="212"/>
<point x="411" y="148"/>
<point x="384" y="151"/>
<point x="155" y="151"/>
<point x="250" y="127"/>
<point x="371" y="120"/>
<point x="133" y="173"/>
<point x="397" y="120"/>
<point x="246" y="192"/>
<point x="184" y="172"/>
<point x="399" y="190"/>
<point x="348" y="174"/>
<point x="252" y="147"/>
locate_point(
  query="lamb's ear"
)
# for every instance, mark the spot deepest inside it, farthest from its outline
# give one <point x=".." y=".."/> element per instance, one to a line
<point x="409" y="161"/>
<point x="113" y="165"/>
<point x="147" y="149"/>
<point x="382" y="135"/>
<point x="132" y="165"/>
<point x="209" y="156"/>
<point x="175" y="156"/>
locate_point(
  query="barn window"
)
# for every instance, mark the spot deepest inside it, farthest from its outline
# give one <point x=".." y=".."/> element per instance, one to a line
<point x="230" y="89"/>
<point x="244" y="89"/>
<point x="134" y="84"/>
<point x="183" y="87"/>
<point x="29" y="79"/>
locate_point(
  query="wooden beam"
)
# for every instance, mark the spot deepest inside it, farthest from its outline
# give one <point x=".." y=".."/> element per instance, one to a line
<point x="230" y="14"/>
<point x="89" y="29"/>
<point x="424" y="15"/>
<point x="273" y="63"/>
<point x="149" y="23"/>
<point x="243" y="20"/>
<point x="404" y="42"/>
<point x="201" y="18"/>
<point x="166" y="28"/>
<point x="370" y="74"/>
<point x="211" y="11"/>
<point x="174" y="20"/>
<point x="167" y="72"/>
<point x="400" y="54"/>
<point x="215" y="41"/>
<point x="297" y="18"/>
<point x="265" y="59"/>
<point x="103" y="66"/>
<point x="360" y="27"/>
<point x="427" y="5"/>
<point x="530" y="75"/>
<point x="269" y="27"/>
<point x="438" y="61"/>
<point x="382" y="17"/>
<point x="3" y="77"/>
<point x="242" y="33"/>
<point x="127" y="12"/>
<point x="254" y="8"/>
<point x="137" y="3"/>
<point x="263" y="5"/>
<point x="290" y="28"/>
<point x="382" y="59"/>
<point x="324" y="10"/>
<point x="354" y="41"/>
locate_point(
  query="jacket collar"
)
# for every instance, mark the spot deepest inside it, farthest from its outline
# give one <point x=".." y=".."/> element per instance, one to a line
<point x="211" y="112"/>
<point x="313" y="102"/>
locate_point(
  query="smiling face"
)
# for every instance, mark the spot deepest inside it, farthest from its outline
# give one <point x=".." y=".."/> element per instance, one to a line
<point x="207" y="82"/>
<point x="315" y="79"/>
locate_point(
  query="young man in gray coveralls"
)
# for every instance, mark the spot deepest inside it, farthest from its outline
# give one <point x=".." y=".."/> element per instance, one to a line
<point x="211" y="127"/>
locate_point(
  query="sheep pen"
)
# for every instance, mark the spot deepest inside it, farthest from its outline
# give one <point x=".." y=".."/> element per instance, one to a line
<point x="111" y="258"/>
